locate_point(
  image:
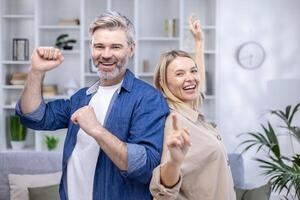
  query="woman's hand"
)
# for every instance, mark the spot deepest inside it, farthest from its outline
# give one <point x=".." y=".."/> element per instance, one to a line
<point x="178" y="142"/>
<point x="195" y="28"/>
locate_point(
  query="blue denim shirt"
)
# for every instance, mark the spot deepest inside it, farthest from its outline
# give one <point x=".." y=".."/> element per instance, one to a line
<point x="136" y="116"/>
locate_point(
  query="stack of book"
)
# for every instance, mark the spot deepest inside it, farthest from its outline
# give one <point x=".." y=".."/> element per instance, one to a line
<point x="18" y="78"/>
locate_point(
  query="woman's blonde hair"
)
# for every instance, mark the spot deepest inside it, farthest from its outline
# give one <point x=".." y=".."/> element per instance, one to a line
<point x="160" y="77"/>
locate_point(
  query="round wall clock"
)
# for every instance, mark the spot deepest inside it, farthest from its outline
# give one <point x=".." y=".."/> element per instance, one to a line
<point x="251" y="55"/>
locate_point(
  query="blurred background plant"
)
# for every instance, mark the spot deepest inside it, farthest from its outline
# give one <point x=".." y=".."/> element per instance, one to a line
<point x="62" y="42"/>
<point x="282" y="171"/>
<point x="51" y="142"/>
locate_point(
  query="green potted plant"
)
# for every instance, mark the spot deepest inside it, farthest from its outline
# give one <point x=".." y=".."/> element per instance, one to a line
<point x="17" y="133"/>
<point x="62" y="42"/>
<point x="282" y="171"/>
<point x="51" y="142"/>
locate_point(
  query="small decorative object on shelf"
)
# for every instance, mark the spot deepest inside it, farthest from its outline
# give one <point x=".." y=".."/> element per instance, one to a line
<point x="20" y="49"/>
<point x="49" y="90"/>
<point x="17" y="133"/>
<point x="63" y="43"/>
<point x="51" y="142"/>
<point x="92" y="67"/>
<point x="69" y="22"/>
<point x="145" y="65"/>
<point x="171" y="27"/>
<point x="18" y="78"/>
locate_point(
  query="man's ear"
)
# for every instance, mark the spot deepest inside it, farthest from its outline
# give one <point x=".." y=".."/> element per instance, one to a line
<point x="132" y="48"/>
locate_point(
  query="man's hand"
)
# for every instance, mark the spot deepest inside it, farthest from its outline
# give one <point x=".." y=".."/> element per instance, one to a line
<point x="87" y="120"/>
<point x="115" y="149"/>
<point x="45" y="58"/>
<point x="195" y="29"/>
<point x="178" y="142"/>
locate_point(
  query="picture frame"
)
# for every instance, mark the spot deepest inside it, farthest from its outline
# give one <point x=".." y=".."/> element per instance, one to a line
<point x="20" y="49"/>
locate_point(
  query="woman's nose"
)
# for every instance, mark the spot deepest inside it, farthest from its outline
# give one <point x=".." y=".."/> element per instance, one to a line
<point x="189" y="76"/>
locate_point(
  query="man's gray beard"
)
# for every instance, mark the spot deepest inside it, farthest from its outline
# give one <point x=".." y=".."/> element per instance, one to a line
<point x="113" y="74"/>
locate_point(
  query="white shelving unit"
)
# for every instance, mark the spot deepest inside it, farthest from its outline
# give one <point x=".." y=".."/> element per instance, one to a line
<point x="36" y="21"/>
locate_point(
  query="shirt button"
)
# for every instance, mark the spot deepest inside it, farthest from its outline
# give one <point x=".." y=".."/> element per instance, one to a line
<point x="219" y="137"/>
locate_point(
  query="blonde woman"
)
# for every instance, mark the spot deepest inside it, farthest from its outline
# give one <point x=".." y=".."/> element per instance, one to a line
<point x="194" y="164"/>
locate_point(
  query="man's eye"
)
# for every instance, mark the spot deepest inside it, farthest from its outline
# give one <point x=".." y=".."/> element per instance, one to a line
<point x="98" y="47"/>
<point x="194" y="71"/>
<point x="116" y="47"/>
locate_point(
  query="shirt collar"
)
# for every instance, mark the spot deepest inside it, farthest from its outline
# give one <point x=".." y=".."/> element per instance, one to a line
<point x="127" y="83"/>
<point x="187" y="112"/>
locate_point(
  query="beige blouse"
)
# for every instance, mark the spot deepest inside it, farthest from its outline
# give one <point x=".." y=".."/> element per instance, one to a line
<point x="205" y="173"/>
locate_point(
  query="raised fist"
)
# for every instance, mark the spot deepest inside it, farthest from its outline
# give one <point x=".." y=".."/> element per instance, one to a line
<point x="45" y="58"/>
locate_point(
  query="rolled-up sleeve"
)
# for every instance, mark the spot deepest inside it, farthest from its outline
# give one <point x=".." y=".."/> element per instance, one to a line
<point x="159" y="191"/>
<point x="48" y="116"/>
<point x="137" y="157"/>
<point x="35" y="115"/>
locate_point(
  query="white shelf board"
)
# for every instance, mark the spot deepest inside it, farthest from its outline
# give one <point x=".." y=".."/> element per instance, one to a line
<point x="146" y="74"/>
<point x="9" y="107"/>
<point x="206" y="52"/>
<point x="167" y="39"/>
<point x="16" y="16"/>
<point x="47" y="27"/>
<point x="206" y="27"/>
<point x="14" y="62"/>
<point x="13" y="87"/>
<point x="70" y="52"/>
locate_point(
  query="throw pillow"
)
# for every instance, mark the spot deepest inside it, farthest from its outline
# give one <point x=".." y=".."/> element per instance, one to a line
<point x="44" y="193"/>
<point x="262" y="193"/>
<point x="19" y="183"/>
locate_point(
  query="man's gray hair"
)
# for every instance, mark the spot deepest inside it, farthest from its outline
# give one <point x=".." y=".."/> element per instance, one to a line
<point x="113" y="20"/>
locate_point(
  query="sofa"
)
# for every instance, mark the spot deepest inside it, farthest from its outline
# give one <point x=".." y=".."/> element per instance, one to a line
<point x="25" y="162"/>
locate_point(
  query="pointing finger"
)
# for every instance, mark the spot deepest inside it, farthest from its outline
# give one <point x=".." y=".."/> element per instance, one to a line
<point x="174" y="121"/>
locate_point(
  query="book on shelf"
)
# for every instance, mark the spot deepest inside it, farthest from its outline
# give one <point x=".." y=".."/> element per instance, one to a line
<point x="18" y="78"/>
<point x="69" y="22"/>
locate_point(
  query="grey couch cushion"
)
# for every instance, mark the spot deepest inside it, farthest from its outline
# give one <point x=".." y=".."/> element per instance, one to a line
<point x="237" y="169"/>
<point x="26" y="163"/>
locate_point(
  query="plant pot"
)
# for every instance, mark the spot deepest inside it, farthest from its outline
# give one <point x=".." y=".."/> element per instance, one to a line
<point x="67" y="47"/>
<point x="17" y="133"/>
<point x="17" y="145"/>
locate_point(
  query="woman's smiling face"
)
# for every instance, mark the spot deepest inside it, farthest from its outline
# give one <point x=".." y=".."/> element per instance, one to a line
<point x="183" y="79"/>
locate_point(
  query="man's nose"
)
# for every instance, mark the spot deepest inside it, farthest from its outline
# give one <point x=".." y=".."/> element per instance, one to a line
<point x="107" y="53"/>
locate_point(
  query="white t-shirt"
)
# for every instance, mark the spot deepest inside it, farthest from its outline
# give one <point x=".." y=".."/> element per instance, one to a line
<point x="83" y="160"/>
